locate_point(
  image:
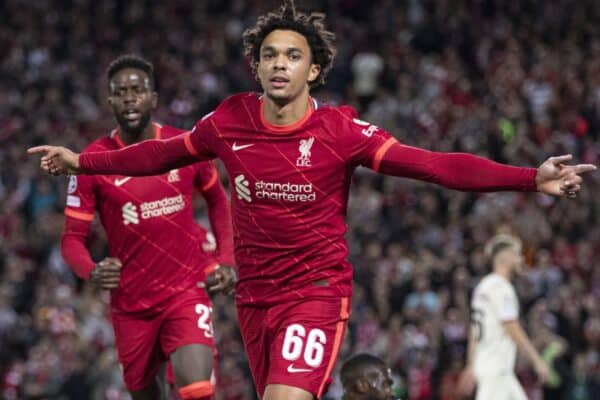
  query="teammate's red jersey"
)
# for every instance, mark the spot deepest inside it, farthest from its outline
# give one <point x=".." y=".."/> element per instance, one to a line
<point x="290" y="187"/>
<point x="150" y="228"/>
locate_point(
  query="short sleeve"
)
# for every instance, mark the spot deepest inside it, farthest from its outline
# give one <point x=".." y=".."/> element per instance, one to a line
<point x="364" y="143"/>
<point x="508" y="307"/>
<point x="81" y="199"/>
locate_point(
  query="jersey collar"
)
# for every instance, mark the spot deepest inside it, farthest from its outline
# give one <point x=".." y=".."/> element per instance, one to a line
<point x="312" y="106"/>
<point x="114" y="135"/>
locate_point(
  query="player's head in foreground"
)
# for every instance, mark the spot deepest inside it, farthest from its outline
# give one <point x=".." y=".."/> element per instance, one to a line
<point x="131" y="93"/>
<point x="289" y="52"/>
<point x="505" y="253"/>
<point x="366" y="377"/>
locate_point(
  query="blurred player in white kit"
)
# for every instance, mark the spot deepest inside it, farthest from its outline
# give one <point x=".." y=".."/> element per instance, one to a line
<point x="495" y="329"/>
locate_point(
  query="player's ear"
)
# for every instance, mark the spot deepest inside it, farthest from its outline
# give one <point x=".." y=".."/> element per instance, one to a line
<point x="154" y="100"/>
<point x="255" y="70"/>
<point x="313" y="73"/>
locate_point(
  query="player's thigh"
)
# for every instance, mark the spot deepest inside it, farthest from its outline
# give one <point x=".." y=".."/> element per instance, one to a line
<point x="192" y="363"/>
<point x="255" y="335"/>
<point x="308" y="336"/>
<point x="187" y="337"/>
<point x="140" y="356"/>
<point x="162" y="381"/>
<point x="150" y="392"/>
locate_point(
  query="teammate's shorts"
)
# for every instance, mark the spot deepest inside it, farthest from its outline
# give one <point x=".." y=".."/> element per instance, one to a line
<point x="143" y="343"/>
<point x="294" y="343"/>
<point x="502" y="387"/>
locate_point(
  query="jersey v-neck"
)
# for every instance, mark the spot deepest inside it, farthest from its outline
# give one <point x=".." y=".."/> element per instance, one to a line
<point x="114" y="135"/>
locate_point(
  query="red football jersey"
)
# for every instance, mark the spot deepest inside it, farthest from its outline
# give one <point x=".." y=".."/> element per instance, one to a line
<point x="289" y="190"/>
<point x="149" y="225"/>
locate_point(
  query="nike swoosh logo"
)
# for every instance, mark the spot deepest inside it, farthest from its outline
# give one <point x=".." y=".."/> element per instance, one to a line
<point x="120" y="182"/>
<point x="292" y="370"/>
<point x="235" y="147"/>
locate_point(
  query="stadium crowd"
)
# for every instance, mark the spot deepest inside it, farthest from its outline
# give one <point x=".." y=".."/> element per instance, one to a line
<point x="514" y="81"/>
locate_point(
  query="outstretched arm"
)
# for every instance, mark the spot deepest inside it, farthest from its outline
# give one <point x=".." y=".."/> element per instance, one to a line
<point x="150" y="157"/>
<point x="468" y="172"/>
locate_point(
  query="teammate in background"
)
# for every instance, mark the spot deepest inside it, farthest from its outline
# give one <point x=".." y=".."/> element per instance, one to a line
<point x="290" y="161"/>
<point x="158" y="253"/>
<point x="496" y="332"/>
<point x="366" y="377"/>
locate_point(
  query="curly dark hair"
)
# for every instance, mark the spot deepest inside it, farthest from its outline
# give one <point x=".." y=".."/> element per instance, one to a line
<point x="131" y="61"/>
<point x="311" y="26"/>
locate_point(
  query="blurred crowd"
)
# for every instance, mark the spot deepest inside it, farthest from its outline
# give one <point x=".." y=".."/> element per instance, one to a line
<point x="514" y="81"/>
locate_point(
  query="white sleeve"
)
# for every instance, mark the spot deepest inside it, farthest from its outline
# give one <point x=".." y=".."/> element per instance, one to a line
<point x="509" y="306"/>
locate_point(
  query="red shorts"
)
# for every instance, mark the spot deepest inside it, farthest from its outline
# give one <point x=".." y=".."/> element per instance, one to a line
<point x="294" y="343"/>
<point x="143" y="343"/>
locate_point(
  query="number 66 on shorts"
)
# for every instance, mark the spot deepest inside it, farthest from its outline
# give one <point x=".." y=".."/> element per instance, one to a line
<point x="294" y="343"/>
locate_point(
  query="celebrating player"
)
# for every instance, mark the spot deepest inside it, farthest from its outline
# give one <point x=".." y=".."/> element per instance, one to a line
<point x="366" y="377"/>
<point x="290" y="161"/>
<point x="158" y="252"/>
<point x="496" y="332"/>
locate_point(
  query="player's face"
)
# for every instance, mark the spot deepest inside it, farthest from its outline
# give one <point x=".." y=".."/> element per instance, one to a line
<point x="515" y="254"/>
<point x="381" y="385"/>
<point x="132" y="99"/>
<point x="285" y="67"/>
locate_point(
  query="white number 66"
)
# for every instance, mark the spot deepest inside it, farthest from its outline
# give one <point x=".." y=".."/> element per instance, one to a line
<point x="294" y="343"/>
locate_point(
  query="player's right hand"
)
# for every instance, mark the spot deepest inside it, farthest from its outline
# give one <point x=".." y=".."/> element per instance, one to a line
<point x="57" y="160"/>
<point x="466" y="382"/>
<point x="221" y="279"/>
<point x="107" y="273"/>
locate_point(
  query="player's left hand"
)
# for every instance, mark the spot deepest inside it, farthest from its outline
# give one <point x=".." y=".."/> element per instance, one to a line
<point x="107" y="273"/>
<point x="543" y="372"/>
<point x="556" y="178"/>
<point x="222" y="279"/>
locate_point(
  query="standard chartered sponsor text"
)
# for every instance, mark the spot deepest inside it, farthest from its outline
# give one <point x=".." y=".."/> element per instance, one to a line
<point x="168" y="205"/>
<point x="285" y="191"/>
